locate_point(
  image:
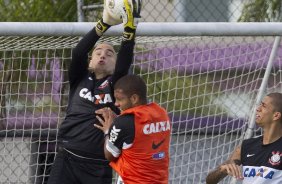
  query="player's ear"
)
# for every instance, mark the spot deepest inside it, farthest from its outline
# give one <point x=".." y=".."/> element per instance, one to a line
<point x="134" y="99"/>
<point x="277" y="116"/>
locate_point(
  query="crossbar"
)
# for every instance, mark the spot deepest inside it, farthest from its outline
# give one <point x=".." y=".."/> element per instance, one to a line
<point x="144" y="29"/>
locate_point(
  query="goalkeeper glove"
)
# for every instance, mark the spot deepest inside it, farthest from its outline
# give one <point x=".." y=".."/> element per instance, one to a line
<point x="130" y="13"/>
<point x="101" y="27"/>
<point x="112" y="12"/>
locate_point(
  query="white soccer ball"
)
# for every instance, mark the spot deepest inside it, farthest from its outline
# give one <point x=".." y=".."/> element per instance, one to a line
<point x="113" y="11"/>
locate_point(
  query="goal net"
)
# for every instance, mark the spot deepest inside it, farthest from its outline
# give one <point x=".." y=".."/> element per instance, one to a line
<point x="208" y="84"/>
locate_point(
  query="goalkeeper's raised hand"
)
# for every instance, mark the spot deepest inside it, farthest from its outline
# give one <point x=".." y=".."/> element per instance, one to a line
<point x="118" y="11"/>
<point x="111" y="15"/>
<point x="130" y="14"/>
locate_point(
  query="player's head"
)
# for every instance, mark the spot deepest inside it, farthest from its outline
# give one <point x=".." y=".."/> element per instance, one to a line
<point x="130" y="91"/>
<point x="103" y="60"/>
<point x="270" y="109"/>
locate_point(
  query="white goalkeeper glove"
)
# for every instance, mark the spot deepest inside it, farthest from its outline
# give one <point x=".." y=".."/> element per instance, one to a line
<point x="111" y="15"/>
<point x="118" y="11"/>
<point x="112" y="12"/>
<point x="130" y="15"/>
<point x="131" y="12"/>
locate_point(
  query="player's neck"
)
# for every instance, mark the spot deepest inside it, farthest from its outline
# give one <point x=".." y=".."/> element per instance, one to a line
<point x="100" y="75"/>
<point x="271" y="135"/>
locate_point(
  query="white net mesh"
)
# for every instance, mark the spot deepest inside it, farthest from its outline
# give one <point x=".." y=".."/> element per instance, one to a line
<point x="207" y="84"/>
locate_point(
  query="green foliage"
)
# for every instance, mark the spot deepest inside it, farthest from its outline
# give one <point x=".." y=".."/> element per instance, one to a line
<point x="262" y="11"/>
<point x="40" y="10"/>
<point x="37" y="11"/>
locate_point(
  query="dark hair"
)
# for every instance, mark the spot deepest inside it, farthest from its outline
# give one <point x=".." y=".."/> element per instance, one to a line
<point x="132" y="84"/>
<point x="276" y="101"/>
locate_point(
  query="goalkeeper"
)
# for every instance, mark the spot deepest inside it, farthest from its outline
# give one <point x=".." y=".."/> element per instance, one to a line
<point x="80" y="158"/>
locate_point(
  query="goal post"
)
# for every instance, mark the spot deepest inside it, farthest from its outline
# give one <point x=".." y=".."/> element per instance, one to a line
<point x="209" y="76"/>
<point x="144" y="29"/>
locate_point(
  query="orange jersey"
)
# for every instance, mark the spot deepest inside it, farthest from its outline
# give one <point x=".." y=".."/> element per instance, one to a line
<point x="147" y="161"/>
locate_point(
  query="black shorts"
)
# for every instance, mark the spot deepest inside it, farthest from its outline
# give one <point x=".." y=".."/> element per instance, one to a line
<point x="70" y="169"/>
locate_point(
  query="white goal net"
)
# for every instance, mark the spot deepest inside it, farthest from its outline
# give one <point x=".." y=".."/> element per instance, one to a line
<point x="208" y="84"/>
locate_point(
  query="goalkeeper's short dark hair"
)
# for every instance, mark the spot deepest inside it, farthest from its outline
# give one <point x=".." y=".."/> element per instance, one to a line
<point x="132" y="84"/>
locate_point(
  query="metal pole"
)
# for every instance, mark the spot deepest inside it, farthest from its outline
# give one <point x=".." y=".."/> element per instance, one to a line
<point x="80" y="14"/>
<point x="263" y="86"/>
<point x="144" y="29"/>
<point x="93" y="7"/>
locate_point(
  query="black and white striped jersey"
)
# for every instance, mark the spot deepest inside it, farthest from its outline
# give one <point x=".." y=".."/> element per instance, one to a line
<point x="261" y="163"/>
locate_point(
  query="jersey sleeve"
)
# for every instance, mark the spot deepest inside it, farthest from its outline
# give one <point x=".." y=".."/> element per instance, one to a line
<point x="124" y="60"/>
<point x="79" y="63"/>
<point x="121" y="134"/>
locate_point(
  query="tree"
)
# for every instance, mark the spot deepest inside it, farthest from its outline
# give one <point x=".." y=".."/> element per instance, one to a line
<point x="262" y="11"/>
<point x="39" y="10"/>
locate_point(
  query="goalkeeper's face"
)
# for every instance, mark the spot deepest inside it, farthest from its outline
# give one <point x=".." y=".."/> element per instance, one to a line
<point x="103" y="60"/>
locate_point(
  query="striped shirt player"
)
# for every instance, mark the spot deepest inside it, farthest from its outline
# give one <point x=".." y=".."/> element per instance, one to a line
<point x="261" y="163"/>
<point x="257" y="160"/>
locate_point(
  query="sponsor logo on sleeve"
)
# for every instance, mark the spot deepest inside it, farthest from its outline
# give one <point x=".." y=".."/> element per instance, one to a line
<point x="114" y="134"/>
<point x="158" y="156"/>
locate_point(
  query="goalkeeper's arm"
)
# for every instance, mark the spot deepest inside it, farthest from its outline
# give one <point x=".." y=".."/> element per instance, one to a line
<point x="130" y="18"/>
<point x="125" y="54"/>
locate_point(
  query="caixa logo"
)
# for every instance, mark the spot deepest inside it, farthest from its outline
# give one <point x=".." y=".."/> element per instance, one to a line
<point x="259" y="172"/>
<point x="97" y="99"/>
<point x="156" y="127"/>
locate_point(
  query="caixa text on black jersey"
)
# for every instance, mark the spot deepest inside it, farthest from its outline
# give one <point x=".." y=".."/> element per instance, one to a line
<point x="97" y="99"/>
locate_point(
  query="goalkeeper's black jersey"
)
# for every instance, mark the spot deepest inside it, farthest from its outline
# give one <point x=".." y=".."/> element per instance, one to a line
<point x="86" y="95"/>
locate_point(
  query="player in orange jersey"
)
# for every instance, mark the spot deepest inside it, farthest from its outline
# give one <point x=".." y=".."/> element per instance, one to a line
<point x="137" y="141"/>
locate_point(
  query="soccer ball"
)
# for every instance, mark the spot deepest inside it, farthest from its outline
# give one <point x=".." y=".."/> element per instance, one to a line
<point x="113" y="11"/>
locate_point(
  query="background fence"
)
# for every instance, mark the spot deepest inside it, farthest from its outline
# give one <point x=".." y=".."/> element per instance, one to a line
<point x="209" y="84"/>
<point x="194" y="10"/>
<point x="153" y="11"/>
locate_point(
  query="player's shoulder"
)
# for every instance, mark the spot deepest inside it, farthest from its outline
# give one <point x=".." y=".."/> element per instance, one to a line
<point x="256" y="139"/>
<point x="124" y="120"/>
<point x="124" y="124"/>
